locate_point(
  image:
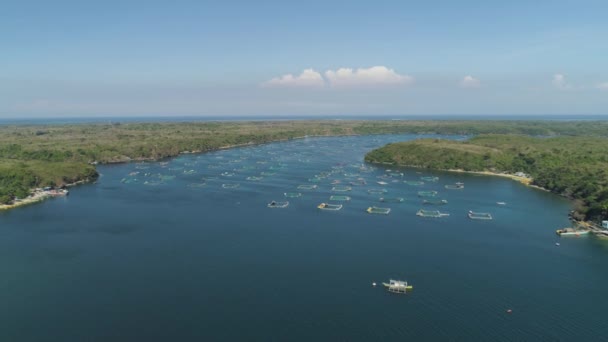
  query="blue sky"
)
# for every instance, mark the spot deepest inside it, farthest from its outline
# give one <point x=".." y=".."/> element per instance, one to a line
<point x="112" y="58"/>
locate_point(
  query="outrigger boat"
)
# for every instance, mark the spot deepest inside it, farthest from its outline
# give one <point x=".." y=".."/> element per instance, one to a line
<point x="398" y="286"/>
<point x="329" y="206"/>
<point x="275" y="204"/>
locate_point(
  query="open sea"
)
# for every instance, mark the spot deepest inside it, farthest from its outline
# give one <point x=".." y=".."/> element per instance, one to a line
<point x="188" y="250"/>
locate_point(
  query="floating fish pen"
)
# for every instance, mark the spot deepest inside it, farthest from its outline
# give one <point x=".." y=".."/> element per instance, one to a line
<point x="196" y="185"/>
<point x="254" y="178"/>
<point x="382" y="183"/>
<point x="189" y="172"/>
<point x="339" y="198"/>
<point x="314" y="180"/>
<point x="153" y="183"/>
<point x="431" y="193"/>
<point x="167" y="178"/>
<point x="128" y="180"/>
<point x="275" y="204"/>
<point x="454" y="187"/>
<point x="358" y="183"/>
<point x="378" y="210"/>
<point x="307" y="187"/>
<point x="396" y="174"/>
<point x="230" y="185"/>
<point x="429" y="179"/>
<point x="435" y="202"/>
<point x="377" y="191"/>
<point x="431" y="213"/>
<point x="414" y="183"/>
<point x="227" y="174"/>
<point x="293" y="194"/>
<point x="266" y="173"/>
<point x="341" y="188"/>
<point x="351" y="175"/>
<point x="398" y="286"/>
<point x="391" y="199"/>
<point x="329" y="206"/>
<point x="479" y="216"/>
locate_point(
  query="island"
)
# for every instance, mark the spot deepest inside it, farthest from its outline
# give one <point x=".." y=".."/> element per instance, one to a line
<point x="571" y="166"/>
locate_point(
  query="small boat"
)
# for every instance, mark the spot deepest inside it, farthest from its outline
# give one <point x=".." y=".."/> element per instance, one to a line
<point x="457" y="186"/>
<point x="382" y="183"/>
<point x="275" y="204"/>
<point x="377" y="210"/>
<point x="501" y="203"/>
<point x="398" y="286"/>
<point x="329" y="206"/>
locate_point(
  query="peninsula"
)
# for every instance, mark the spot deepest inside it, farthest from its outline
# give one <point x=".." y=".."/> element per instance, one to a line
<point x="572" y="166"/>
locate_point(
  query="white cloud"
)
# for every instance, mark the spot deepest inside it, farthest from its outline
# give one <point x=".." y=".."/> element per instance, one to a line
<point x="603" y="86"/>
<point x="559" y="81"/>
<point x="470" y="82"/>
<point x="374" y="76"/>
<point x="308" y="78"/>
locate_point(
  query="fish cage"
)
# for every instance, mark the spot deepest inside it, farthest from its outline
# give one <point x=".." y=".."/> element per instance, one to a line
<point x="307" y="187"/>
<point x="391" y="199"/>
<point x="377" y="191"/>
<point x="377" y="210"/>
<point x="427" y="193"/>
<point x="275" y="204"/>
<point x="479" y="216"/>
<point x="431" y="213"/>
<point x="293" y="194"/>
<point x="414" y="183"/>
<point x="429" y="179"/>
<point x="230" y="185"/>
<point x="254" y="178"/>
<point x="329" y="206"/>
<point x="339" y="198"/>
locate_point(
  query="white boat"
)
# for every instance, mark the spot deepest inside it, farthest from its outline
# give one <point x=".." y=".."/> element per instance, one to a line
<point x="398" y="286"/>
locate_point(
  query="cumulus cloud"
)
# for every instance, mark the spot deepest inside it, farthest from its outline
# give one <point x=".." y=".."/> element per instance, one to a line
<point x="603" y="86"/>
<point x="470" y="82"/>
<point x="308" y="78"/>
<point x="374" y="76"/>
<point x="559" y="81"/>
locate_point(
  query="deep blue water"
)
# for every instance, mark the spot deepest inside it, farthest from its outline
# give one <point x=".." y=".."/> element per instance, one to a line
<point x="180" y="258"/>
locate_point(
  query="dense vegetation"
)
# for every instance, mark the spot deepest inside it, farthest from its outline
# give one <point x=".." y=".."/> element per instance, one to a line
<point x="576" y="167"/>
<point x="40" y="155"/>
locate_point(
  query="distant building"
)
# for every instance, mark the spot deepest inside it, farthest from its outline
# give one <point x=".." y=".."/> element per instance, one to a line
<point x="605" y="224"/>
<point x="521" y="174"/>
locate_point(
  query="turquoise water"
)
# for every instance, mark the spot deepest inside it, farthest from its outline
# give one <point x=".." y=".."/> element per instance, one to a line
<point x="169" y="254"/>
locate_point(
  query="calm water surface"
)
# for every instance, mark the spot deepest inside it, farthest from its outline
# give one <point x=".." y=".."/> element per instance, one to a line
<point x="165" y="252"/>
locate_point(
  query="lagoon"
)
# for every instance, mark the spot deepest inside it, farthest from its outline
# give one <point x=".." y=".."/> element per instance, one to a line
<point x="187" y="249"/>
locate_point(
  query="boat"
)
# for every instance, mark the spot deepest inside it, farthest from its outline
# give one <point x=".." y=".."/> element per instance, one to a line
<point x="339" y="198"/>
<point x="275" y="204"/>
<point x="431" y="193"/>
<point x="398" y="286"/>
<point x="382" y="183"/>
<point x="378" y="210"/>
<point x="436" y="202"/>
<point x="571" y="232"/>
<point x="431" y="213"/>
<point x="329" y="206"/>
<point x="479" y="216"/>
<point x="501" y="203"/>
<point x="391" y="199"/>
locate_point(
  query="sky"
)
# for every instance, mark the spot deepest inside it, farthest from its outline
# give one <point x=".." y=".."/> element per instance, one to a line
<point x="323" y="58"/>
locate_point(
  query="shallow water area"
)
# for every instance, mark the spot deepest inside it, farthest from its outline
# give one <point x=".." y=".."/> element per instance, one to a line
<point x="188" y="249"/>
